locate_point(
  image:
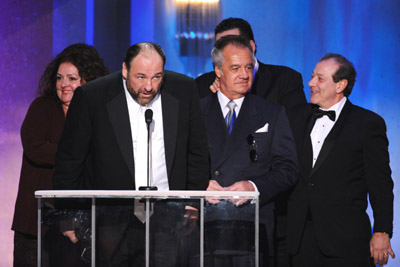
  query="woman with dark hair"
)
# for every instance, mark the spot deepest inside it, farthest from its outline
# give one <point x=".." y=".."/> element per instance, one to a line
<point x="40" y="133"/>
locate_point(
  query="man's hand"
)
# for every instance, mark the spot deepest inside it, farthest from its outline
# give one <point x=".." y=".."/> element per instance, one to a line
<point x="189" y="219"/>
<point x="380" y="248"/>
<point x="240" y="186"/>
<point x="71" y="235"/>
<point x="214" y="87"/>
<point x="213" y="185"/>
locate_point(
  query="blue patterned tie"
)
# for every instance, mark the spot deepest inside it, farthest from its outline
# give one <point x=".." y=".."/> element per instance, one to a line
<point x="231" y="116"/>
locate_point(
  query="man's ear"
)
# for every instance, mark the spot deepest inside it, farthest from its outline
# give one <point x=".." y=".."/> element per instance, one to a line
<point x="341" y="85"/>
<point x="218" y="71"/>
<point x="253" y="45"/>
<point x="124" y="70"/>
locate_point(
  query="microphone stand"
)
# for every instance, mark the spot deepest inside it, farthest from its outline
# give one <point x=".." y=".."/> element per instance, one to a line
<point x="148" y="115"/>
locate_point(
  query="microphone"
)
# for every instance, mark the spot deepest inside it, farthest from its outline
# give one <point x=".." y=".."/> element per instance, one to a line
<point x="148" y="117"/>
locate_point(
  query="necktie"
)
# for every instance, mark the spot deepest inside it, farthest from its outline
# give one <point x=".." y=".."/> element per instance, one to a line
<point x="318" y="113"/>
<point x="231" y="116"/>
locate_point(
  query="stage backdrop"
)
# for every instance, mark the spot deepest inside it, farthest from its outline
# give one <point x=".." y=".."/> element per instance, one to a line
<point x="291" y="33"/>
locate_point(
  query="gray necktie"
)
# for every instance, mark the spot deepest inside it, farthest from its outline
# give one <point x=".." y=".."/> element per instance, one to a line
<point x="231" y="116"/>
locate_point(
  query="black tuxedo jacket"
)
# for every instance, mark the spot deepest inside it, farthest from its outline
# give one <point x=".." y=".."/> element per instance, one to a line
<point x="96" y="151"/>
<point x="278" y="84"/>
<point x="353" y="163"/>
<point x="276" y="168"/>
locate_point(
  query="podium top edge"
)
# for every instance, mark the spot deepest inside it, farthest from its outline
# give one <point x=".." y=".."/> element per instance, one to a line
<point x="134" y="193"/>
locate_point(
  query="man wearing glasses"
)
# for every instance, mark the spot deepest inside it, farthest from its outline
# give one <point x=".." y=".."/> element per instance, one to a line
<point x="250" y="142"/>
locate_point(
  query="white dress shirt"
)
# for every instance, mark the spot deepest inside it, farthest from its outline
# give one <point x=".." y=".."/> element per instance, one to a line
<point x="158" y="169"/>
<point x="322" y="127"/>
<point x="223" y="101"/>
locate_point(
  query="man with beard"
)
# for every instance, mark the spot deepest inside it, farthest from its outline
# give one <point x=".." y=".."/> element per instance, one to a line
<point x="104" y="147"/>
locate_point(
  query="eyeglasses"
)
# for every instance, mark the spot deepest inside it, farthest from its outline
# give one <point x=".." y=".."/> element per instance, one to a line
<point x="253" y="146"/>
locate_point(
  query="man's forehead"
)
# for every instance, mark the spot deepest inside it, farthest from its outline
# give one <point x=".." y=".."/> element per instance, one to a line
<point x="234" y="52"/>
<point x="147" y="54"/>
<point x="326" y="67"/>
<point x="147" y="62"/>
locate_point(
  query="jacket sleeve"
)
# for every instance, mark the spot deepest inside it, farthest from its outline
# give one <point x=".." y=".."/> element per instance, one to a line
<point x="291" y="91"/>
<point x="74" y="144"/>
<point x="38" y="144"/>
<point x="203" y="83"/>
<point x="378" y="176"/>
<point x="198" y="162"/>
<point x="283" y="173"/>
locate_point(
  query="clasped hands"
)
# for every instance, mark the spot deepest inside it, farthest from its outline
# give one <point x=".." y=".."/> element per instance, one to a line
<point x="213" y="185"/>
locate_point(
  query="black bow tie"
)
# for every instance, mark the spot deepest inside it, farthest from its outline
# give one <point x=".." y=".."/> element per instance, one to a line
<point x="318" y="113"/>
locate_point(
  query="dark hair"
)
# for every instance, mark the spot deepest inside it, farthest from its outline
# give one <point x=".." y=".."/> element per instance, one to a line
<point x="235" y="40"/>
<point x="235" y="23"/>
<point x="345" y="71"/>
<point x="84" y="57"/>
<point x="135" y="49"/>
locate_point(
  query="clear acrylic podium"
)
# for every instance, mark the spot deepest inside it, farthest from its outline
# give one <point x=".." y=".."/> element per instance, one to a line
<point x="181" y="228"/>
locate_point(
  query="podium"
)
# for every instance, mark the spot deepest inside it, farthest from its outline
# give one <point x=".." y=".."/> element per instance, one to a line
<point x="181" y="228"/>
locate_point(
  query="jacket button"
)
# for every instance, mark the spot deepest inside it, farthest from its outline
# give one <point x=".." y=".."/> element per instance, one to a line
<point x="310" y="184"/>
<point x="216" y="173"/>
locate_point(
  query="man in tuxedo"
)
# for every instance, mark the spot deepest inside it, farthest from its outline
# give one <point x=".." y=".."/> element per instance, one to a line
<point x="104" y="143"/>
<point x="343" y="159"/>
<point x="278" y="84"/>
<point x="252" y="149"/>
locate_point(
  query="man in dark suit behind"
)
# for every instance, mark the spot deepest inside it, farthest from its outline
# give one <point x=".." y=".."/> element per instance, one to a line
<point x="343" y="159"/>
<point x="100" y="145"/>
<point x="257" y="152"/>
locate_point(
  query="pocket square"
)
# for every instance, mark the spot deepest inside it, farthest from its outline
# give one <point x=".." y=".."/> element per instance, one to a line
<point x="263" y="129"/>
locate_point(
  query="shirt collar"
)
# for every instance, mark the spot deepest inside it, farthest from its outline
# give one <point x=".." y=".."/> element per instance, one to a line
<point x="223" y="101"/>
<point x="337" y="107"/>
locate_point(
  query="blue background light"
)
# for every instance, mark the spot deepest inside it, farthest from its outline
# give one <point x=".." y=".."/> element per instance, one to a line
<point x="292" y="33"/>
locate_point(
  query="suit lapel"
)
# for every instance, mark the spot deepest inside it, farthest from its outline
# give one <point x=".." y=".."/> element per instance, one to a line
<point x="248" y="121"/>
<point x="170" y="111"/>
<point x="332" y="137"/>
<point x="119" y="116"/>
<point x="307" y="152"/>
<point x="217" y="133"/>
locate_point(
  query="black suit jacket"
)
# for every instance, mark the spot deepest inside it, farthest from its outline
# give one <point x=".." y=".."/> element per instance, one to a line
<point x="278" y="84"/>
<point x="96" y="150"/>
<point x="353" y="163"/>
<point x="276" y="168"/>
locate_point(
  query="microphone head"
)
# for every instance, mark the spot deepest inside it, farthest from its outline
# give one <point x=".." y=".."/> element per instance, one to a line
<point x="148" y="116"/>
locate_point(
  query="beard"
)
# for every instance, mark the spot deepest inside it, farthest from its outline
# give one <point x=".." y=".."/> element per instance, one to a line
<point x="136" y="95"/>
